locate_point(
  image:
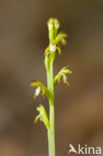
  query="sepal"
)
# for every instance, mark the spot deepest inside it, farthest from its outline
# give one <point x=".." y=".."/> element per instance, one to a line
<point x="60" y="38"/>
<point x="47" y="51"/>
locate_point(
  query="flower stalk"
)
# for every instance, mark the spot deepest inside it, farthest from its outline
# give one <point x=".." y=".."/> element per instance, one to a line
<point x="51" y="130"/>
<point x="55" y="41"/>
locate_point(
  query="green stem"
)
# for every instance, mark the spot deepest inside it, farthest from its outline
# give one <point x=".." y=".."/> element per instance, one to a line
<point x="51" y="131"/>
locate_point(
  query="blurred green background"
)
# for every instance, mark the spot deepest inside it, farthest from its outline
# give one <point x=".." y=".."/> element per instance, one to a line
<point x="79" y="109"/>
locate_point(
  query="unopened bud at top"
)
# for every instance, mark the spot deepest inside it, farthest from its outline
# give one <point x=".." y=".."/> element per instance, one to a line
<point x="53" y="26"/>
<point x="56" y="25"/>
<point x="50" y="23"/>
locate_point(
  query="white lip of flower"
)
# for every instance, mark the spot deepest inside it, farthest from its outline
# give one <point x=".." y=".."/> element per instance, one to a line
<point x="52" y="47"/>
<point x="37" y="91"/>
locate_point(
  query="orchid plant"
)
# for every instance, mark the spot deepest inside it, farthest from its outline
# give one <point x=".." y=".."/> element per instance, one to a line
<point x="56" y="39"/>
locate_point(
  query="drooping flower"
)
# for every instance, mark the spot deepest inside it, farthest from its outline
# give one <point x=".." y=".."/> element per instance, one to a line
<point x="42" y="116"/>
<point x="62" y="75"/>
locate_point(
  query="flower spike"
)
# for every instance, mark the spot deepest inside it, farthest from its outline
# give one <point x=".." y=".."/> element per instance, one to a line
<point x="56" y="40"/>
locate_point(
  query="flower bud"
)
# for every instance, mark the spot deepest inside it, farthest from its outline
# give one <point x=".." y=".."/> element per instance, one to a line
<point x="56" y="26"/>
<point x="51" y="28"/>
